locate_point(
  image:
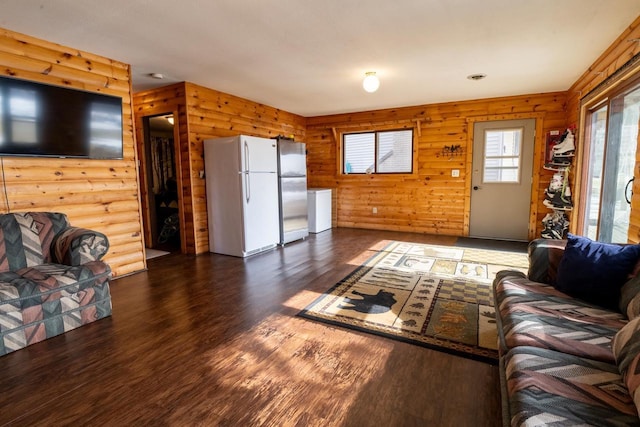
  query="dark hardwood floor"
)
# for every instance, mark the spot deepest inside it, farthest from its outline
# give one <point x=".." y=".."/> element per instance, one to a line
<point x="213" y="340"/>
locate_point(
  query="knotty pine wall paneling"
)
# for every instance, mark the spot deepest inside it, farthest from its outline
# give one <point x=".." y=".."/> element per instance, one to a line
<point x="623" y="49"/>
<point x="207" y="113"/>
<point x="214" y="114"/>
<point x="430" y="200"/>
<point x="96" y="194"/>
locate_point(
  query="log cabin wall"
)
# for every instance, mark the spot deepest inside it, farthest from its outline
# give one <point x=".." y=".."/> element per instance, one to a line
<point x="623" y="49"/>
<point x="97" y="194"/>
<point x="615" y="59"/>
<point x="430" y="200"/>
<point x="206" y="113"/>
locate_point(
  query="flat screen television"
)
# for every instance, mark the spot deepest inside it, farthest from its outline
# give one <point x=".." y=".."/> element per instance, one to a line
<point x="52" y="121"/>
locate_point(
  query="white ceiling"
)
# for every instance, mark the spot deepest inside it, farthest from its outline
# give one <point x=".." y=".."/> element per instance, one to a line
<point x="309" y="57"/>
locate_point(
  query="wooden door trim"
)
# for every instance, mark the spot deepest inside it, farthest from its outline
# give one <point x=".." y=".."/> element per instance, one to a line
<point x="537" y="165"/>
<point x="143" y="183"/>
<point x="142" y="172"/>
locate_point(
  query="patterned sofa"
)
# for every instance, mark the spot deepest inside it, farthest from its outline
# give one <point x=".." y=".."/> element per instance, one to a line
<point x="51" y="278"/>
<point x="558" y="364"/>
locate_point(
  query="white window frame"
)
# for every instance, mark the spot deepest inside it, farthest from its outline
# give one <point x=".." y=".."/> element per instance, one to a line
<point x="374" y="168"/>
<point x="501" y="168"/>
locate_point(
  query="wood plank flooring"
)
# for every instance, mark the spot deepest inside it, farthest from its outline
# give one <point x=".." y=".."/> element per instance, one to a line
<point x="214" y="341"/>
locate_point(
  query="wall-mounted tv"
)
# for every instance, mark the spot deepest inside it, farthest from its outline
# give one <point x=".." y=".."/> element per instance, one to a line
<point x="43" y="120"/>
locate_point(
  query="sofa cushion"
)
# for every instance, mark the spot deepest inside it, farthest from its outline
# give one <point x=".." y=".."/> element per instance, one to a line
<point x="46" y="300"/>
<point x="626" y="348"/>
<point x="535" y="314"/>
<point x="595" y="271"/>
<point x="546" y="387"/>
<point x="25" y="238"/>
<point x="544" y="258"/>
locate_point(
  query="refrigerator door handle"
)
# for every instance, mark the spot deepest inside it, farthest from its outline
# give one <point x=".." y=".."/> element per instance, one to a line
<point x="247" y="181"/>
<point x="246" y="157"/>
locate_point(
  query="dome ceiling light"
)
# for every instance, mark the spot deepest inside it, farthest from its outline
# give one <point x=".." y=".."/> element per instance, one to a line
<point x="371" y="83"/>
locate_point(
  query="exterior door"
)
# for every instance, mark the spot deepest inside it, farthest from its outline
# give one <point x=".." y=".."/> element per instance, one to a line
<point x="610" y="158"/>
<point x="501" y="179"/>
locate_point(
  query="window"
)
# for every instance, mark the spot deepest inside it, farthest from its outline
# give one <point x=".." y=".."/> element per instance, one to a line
<point x="378" y="152"/>
<point x="611" y="141"/>
<point x="502" y="150"/>
<point x="598" y="128"/>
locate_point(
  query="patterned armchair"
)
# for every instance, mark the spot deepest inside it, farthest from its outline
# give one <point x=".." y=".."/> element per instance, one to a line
<point x="51" y="278"/>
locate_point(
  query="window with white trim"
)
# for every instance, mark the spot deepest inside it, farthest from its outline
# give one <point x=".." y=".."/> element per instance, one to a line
<point x="502" y="152"/>
<point x="378" y="152"/>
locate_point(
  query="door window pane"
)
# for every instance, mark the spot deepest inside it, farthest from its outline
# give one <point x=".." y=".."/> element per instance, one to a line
<point x="613" y="142"/>
<point x="620" y="158"/>
<point x="595" y="164"/>
<point x="502" y="150"/>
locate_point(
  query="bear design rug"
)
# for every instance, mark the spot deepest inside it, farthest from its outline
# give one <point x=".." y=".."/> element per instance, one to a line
<point x="436" y="296"/>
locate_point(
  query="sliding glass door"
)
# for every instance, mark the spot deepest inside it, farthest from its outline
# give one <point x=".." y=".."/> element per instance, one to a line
<point x="612" y="141"/>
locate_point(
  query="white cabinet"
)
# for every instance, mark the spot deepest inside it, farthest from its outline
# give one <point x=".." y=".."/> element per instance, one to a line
<point x="319" y="205"/>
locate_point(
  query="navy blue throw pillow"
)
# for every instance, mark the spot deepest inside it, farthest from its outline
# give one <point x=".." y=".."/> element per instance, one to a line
<point x="594" y="271"/>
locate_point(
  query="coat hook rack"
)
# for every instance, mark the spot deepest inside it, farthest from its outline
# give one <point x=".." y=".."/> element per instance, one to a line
<point x="452" y="151"/>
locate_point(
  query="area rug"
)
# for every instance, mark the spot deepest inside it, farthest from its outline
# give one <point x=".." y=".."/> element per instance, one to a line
<point x="430" y="295"/>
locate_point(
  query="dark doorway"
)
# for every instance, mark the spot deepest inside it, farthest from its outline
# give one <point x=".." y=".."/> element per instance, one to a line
<point x="162" y="199"/>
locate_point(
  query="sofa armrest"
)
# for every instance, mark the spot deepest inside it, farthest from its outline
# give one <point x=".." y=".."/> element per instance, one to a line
<point x="544" y="258"/>
<point x="77" y="246"/>
<point x="503" y="274"/>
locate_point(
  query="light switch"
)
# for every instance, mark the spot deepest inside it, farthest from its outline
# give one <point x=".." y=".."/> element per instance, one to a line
<point x="455" y="173"/>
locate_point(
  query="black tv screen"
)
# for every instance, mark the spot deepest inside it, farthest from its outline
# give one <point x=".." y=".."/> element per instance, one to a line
<point x="44" y="120"/>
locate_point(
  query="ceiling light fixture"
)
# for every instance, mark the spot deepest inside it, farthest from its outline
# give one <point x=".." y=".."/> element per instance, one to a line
<point x="169" y="119"/>
<point x="371" y="83"/>
<point x="158" y="76"/>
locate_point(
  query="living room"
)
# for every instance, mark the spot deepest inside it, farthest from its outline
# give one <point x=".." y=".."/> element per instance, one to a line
<point x="105" y="196"/>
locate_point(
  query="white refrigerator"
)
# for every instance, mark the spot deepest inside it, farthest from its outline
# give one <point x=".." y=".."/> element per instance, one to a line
<point x="242" y="194"/>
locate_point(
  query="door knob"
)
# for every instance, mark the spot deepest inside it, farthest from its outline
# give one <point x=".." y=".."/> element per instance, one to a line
<point x="475" y="187"/>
